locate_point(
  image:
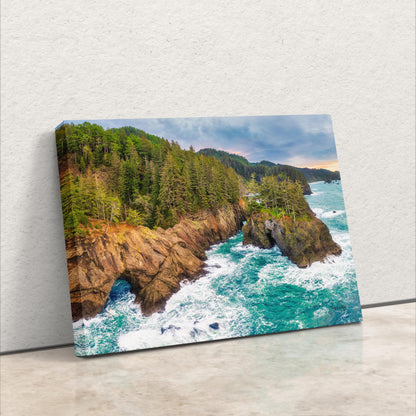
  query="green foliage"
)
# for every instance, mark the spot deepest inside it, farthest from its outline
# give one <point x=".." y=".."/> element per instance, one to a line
<point x="314" y="175"/>
<point x="72" y="224"/>
<point x="134" y="218"/>
<point x="253" y="186"/>
<point x="225" y="157"/>
<point x="128" y="175"/>
<point x="259" y="170"/>
<point x="253" y="207"/>
<point x="283" y="197"/>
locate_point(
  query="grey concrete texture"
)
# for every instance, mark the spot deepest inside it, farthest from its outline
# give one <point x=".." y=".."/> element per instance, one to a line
<point x="357" y="369"/>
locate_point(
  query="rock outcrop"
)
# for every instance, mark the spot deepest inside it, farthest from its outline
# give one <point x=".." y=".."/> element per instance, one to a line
<point x="154" y="262"/>
<point x="306" y="188"/>
<point x="302" y="241"/>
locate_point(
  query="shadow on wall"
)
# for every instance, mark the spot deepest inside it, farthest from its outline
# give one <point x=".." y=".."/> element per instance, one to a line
<point x="36" y="306"/>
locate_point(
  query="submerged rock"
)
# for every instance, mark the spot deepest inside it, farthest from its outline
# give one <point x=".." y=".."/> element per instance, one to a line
<point x="215" y="325"/>
<point x="302" y="241"/>
<point x="170" y="328"/>
<point x="195" y="332"/>
<point x="154" y="262"/>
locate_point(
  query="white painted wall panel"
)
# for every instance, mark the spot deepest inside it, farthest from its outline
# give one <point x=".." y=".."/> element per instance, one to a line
<point x="74" y="59"/>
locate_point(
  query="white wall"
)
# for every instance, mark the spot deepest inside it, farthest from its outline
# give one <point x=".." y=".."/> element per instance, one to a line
<point x="76" y="59"/>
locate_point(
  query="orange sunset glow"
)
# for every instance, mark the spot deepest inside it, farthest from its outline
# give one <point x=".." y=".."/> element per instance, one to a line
<point x="330" y="165"/>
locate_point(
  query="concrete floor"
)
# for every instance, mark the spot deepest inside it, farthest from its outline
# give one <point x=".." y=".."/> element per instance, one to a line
<point x="358" y="369"/>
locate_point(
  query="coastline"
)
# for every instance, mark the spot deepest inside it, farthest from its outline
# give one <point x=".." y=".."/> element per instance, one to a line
<point x="237" y="283"/>
<point x="153" y="262"/>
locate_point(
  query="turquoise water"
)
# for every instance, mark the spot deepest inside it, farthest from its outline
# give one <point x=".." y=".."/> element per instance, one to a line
<point x="246" y="291"/>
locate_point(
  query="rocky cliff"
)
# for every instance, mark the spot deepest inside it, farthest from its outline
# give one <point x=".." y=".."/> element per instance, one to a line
<point x="306" y="189"/>
<point x="154" y="262"/>
<point x="302" y="241"/>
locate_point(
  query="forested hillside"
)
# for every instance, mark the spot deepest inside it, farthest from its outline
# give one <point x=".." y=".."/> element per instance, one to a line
<point x="246" y="169"/>
<point x="315" y="175"/>
<point x="128" y="175"/>
<point x="278" y="196"/>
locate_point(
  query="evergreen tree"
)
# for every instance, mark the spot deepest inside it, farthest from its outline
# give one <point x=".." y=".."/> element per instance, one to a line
<point x="128" y="175"/>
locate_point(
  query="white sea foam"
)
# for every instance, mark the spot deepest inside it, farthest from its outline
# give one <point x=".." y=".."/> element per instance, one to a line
<point x="189" y="313"/>
<point x="318" y="212"/>
<point x="316" y="276"/>
<point x="237" y="277"/>
<point x="250" y="249"/>
<point x="321" y="213"/>
<point x="93" y="321"/>
<point x="331" y="214"/>
<point x="321" y="312"/>
<point x="343" y="239"/>
<point x="78" y="324"/>
<point x="335" y="270"/>
<point x="219" y="264"/>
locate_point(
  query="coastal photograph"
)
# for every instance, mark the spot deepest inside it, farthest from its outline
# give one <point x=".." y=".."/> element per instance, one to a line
<point x="183" y="230"/>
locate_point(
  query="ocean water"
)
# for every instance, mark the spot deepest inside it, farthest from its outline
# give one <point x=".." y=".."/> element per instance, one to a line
<point x="246" y="291"/>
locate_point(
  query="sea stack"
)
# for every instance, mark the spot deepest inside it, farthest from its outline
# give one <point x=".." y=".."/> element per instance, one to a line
<point x="301" y="241"/>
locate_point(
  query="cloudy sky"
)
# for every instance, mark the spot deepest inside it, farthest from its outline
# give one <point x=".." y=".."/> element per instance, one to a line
<point x="303" y="141"/>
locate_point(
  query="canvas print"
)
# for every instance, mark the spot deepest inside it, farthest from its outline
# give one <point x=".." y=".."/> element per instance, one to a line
<point x="196" y="229"/>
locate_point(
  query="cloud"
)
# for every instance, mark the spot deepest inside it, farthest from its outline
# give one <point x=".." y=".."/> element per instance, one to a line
<point x="302" y="140"/>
